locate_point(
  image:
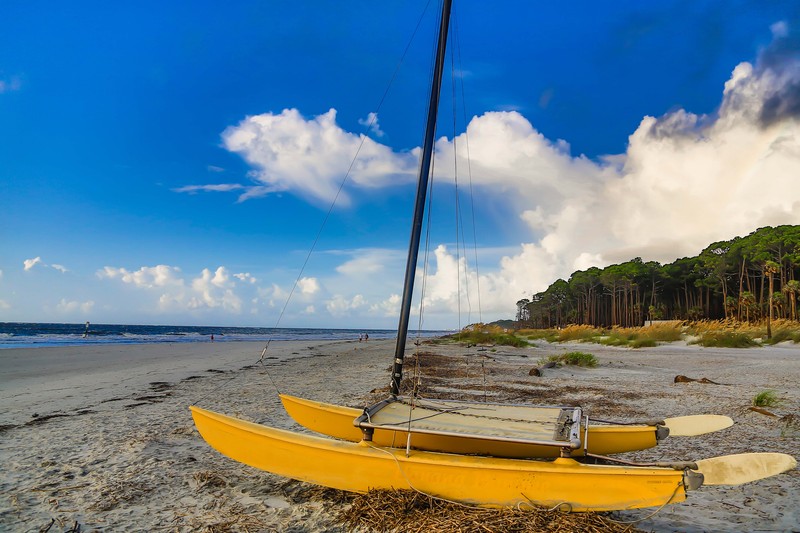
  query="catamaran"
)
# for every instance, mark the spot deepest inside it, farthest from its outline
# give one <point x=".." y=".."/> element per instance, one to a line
<point x="480" y="454"/>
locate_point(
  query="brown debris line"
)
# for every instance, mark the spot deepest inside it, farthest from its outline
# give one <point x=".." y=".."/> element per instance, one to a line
<point x="299" y="492"/>
<point x="685" y="379"/>
<point x="409" y="511"/>
<point x="762" y="411"/>
<point x="461" y="377"/>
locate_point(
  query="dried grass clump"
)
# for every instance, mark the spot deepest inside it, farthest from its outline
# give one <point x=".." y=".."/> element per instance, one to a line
<point x="208" y="479"/>
<point x="578" y="332"/>
<point x="701" y="327"/>
<point x="667" y="331"/>
<point x="410" y="511"/>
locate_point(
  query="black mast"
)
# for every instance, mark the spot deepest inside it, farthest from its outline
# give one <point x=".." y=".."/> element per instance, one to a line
<point x="419" y="207"/>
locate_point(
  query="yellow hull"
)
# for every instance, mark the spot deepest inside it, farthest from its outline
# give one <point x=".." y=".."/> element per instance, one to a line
<point x="483" y="481"/>
<point x="336" y="421"/>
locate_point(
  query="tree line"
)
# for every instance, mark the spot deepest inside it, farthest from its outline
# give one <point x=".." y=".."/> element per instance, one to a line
<point x="750" y="278"/>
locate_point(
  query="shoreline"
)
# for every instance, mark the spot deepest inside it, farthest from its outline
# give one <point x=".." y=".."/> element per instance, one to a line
<point x="122" y="452"/>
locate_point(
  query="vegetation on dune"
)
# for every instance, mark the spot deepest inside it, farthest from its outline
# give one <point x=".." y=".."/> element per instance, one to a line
<point x="549" y="335"/>
<point x="643" y="343"/>
<point x="486" y="334"/>
<point x="746" y="279"/>
<point x="733" y="334"/>
<point x="573" y="358"/>
<point x="725" y="339"/>
<point x="711" y="333"/>
<point x="782" y="334"/>
<point x="578" y="332"/>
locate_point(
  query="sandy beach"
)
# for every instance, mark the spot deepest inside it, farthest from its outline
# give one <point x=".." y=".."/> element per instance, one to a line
<point x="102" y="437"/>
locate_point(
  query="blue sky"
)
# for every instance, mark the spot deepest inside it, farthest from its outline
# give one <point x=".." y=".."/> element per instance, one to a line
<point x="171" y="163"/>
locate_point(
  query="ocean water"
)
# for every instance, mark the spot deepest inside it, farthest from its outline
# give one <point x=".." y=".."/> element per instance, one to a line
<point x="31" y="335"/>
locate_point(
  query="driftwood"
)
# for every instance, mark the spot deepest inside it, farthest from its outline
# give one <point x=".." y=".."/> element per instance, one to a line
<point x="537" y="370"/>
<point x="684" y="379"/>
<point x="762" y="411"/>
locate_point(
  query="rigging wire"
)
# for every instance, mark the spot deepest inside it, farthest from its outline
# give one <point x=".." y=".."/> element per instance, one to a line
<point x="367" y="128"/>
<point x="325" y="219"/>
<point x="455" y="189"/>
<point x="457" y="46"/>
<point x="455" y="58"/>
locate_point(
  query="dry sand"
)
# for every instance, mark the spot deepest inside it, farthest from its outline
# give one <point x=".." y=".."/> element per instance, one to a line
<point x="101" y="436"/>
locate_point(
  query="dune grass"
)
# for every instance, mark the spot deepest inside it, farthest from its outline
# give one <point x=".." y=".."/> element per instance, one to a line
<point x="582" y="359"/>
<point x="643" y="337"/>
<point x="486" y="334"/>
<point x="726" y="339"/>
<point x="578" y="333"/>
<point x="782" y="334"/>
<point x="709" y="333"/>
<point x="550" y="335"/>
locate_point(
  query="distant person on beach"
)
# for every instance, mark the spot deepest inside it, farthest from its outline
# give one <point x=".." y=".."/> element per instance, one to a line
<point x="366" y="337"/>
<point x="360" y="338"/>
<point x="212" y="337"/>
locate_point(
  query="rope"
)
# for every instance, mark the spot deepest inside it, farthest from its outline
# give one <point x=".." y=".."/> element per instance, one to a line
<point x="651" y="515"/>
<point x="458" y="411"/>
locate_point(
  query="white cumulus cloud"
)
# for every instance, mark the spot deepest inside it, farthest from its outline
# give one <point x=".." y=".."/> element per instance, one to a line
<point x="30" y="263"/>
<point x="685" y="180"/>
<point x="308" y="286"/>
<point x="146" y="277"/>
<point x="371" y="122"/>
<point x="365" y="262"/>
<point x="69" y="307"/>
<point x="214" y="290"/>
<point x="340" y="305"/>
<point x="210" y="290"/>
<point x="246" y="277"/>
<point x="388" y="307"/>
<point x="311" y="156"/>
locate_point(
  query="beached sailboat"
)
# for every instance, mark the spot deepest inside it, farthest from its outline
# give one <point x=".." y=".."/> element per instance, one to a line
<point x="498" y="430"/>
<point x="483" y="480"/>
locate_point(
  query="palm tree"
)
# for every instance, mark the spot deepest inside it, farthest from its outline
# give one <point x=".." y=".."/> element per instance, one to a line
<point x="748" y="302"/>
<point x="792" y="289"/>
<point x="770" y="268"/>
